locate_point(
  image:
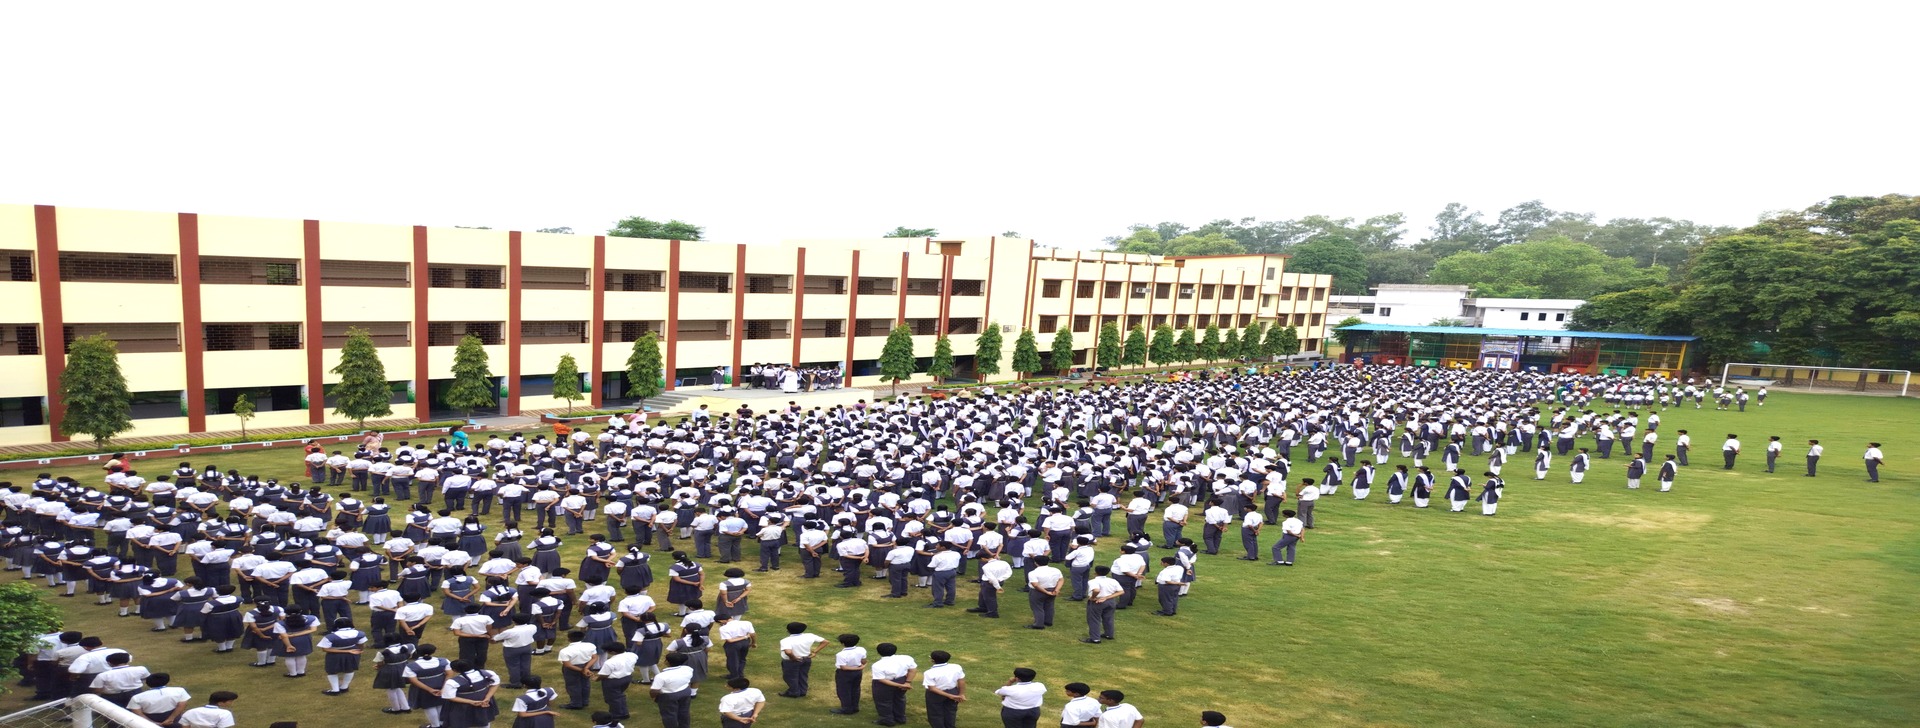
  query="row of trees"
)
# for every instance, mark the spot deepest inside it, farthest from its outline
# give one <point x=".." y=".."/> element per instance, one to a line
<point x="1528" y="250"/>
<point x="1165" y="347"/>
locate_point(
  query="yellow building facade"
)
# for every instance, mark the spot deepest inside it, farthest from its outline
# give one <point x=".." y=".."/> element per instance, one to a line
<point x="205" y="307"/>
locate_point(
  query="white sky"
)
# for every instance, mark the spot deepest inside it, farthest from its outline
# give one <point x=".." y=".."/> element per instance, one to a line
<point x="1063" y="121"/>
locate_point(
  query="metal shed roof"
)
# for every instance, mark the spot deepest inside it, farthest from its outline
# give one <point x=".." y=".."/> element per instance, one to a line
<point x="1477" y="331"/>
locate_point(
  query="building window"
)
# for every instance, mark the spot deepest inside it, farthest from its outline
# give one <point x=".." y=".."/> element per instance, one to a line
<point x="1314" y="320"/>
<point x="1162" y="290"/>
<point x="1049" y="324"/>
<point x="482" y="277"/>
<point x="157" y="405"/>
<point x="1246" y="291"/>
<point x="923" y="286"/>
<point x="1207" y="291"/>
<point x="553" y="332"/>
<point x="1386" y="311"/>
<point x="1112" y="289"/>
<point x="283" y="398"/>
<point x="636" y="280"/>
<point x="363" y="273"/>
<point x="705" y="330"/>
<point x="1082" y="324"/>
<point x="831" y="285"/>
<point x="333" y="334"/>
<point x="1270" y="272"/>
<point x="1158" y="319"/>
<point x="877" y="286"/>
<point x="116" y="268"/>
<point x="1559" y="317"/>
<point x="544" y="278"/>
<point x="969" y="287"/>
<point x="1083" y="289"/>
<point x="1134" y="320"/>
<point x="1286" y="294"/>
<point x="628" y="331"/>
<point x="131" y="338"/>
<point x="1266" y="300"/>
<point x="250" y="271"/>
<point x="1229" y="292"/>
<point x="1202" y="321"/>
<point x="251" y="337"/>
<point x="1139" y="291"/>
<point x="1180" y="321"/>
<point x="450" y="333"/>
<point x="769" y="284"/>
<point x="766" y="329"/>
<point x="823" y="329"/>
<point x="1319" y="294"/>
<point x="1523" y="315"/>
<point x="1299" y="319"/>
<point x="21" y="412"/>
<point x="963" y="326"/>
<point x="1050" y="288"/>
<point x="705" y="282"/>
<point x="872" y="327"/>
<point x="1246" y="319"/>
<point x="1312" y="344"/>
<point x="1186" y="291"/>
<point x="19" y="339"/>
<point x="924" y="326"/>
<point x="19" y="265"/>
<point x="1115" y="320"/>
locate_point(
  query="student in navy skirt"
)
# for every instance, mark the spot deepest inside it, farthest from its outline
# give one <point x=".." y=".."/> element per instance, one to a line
<point x="224" y="625"/>
<point x="157" y="603"/>
<point x="391" y="661"/>
<point x="295" y="631"/>
<point x="636" y="570"/>
<point x="534" y="709"/>
<point x="190" y="602"/>
<point x="342" y="646"/>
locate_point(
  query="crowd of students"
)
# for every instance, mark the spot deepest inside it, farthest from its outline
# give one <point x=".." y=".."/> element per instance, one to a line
<point x="911" y="493"/>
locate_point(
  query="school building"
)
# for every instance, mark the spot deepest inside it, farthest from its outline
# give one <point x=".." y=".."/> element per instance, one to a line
<point x="1579" y="352"/>
<point x="205" y="307"/>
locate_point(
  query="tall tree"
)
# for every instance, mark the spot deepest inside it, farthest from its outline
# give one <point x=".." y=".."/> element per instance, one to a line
<point x="986" y="352"/>
<point x="1107" y="351"/>
<point x="363" y="391"/>
<point x="942" y="365"/>
<point x="1062" y="352"/>
<point x="243" y="410"/>
<point x="645" y="373"/>
<point x="1335" y="256"/>
<point x="472" y="386"/>
<point x="1250" y="340"/>
<point x="1160" y="350"/>
<point x="1026" y="353"/>
<point x="95" y="391"/>
<point x="1184" y="348"/>
<point x="1208" y="349"/>
<point x="1134" y="352"/>
<point x="1557" y="268"/>
<point x="896" y="358"/>
<point x="1343" y="335"/>
<point x="1147" y="241"/>
<point x="1230" y="346"/>
<point x="566" y="381"/>
<point x="907" y="232"/>
<point x="1400" y="265"/>
<point x="1459" y="229"/>
<point x="1648" y="310"/>
<point x="1281" y="341"/>
<point x="640" y="227"/>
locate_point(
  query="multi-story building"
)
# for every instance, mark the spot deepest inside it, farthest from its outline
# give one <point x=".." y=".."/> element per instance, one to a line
<point x="205" y="307"/>
<point x="1522" y="313"/>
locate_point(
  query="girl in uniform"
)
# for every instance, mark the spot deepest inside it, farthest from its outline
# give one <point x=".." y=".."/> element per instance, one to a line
<point x="342" y="646"/>
<point x="685" y="580"/>
<point x="649" y="645"/>
<point x="546" y="551"/>
<point x="1459" y="490"/>
<point x="223" y="625"/>
<point x="1396" y="484"/>
<point x="190" y="603"/>
<point x="391" y="662"/>
<point x="636" y="570"/>
<point x="157" y="603"/>
<point x="1422" y="487"/>
<point x="733" y="594"/>
<point x="694" y="644"/>
<point x="534" y="709"/>
<point x="295" y="632"/>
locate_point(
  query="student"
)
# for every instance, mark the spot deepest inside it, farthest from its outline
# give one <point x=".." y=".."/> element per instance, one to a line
<point x="1250" y="522"/>
<point x="1118" y="713"/>
<point x="577" y="662"/>
<point x="1814" y="450"/>
<point x="796" y="658"/>
<point x="1102" y="590"/>
<point x="1292" y="531"/>
<point x="1684" y="444"/>
<point x="390" y="662"/>
<point x="847" y="666"/>
<point x="1635" y="471"/>
<point x="672" y="692"/>
<point x="121" y="680"/>
<point x="1043" y="584"/>
<point x="946" y="686"/>
<point x="342" y="647"/>
<point x="615" y="675"/>
<point x="534" y="709"/>
<point x="994" y="574"/>
<point x="741" y="708"/>
<point x="1020" y="699"/>
<point x="161" y="702"/>
<point x="1080" y="710"/>
<point x="1774" y="446"/>
<point x="1458" y="491"/>
<point x="516" y="650"/>
<point x="1490" y="494"/>
<point x="217" y="713"/>
<point x="426" y="676"/>
<point x="604" y="719"/>
<point x="1667" y="470"/>
<point x="1874" y="459"/>
<point x="892" y="678"/>
<point x="468" y="696"/>
<point x="1542" y="460"/>
<point x="737" y="639"/>
<point x="1305" y="499"/>
<point x="1167" y="584"/>
<point x="1730" y="450"/>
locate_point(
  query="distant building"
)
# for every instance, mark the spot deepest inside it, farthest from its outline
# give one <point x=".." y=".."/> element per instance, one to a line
<point x="1521" y="313"/>
<point x="1403" y="303"/>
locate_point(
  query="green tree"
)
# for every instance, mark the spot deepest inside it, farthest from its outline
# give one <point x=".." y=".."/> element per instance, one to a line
<point x="986" y="352"/>
<point x="1062" y="352"/>
<point x="1134" y="352"/>
<point x="472" y="386"/>
<point x="94" y="390"/>
<point x="243" y="410"/>
<point x="1108" y="350"/>
<point x="907" y="232"/>
<point x="363" y="391"/>
<point x="896" y="358"/>
<point x="1148" y="241"/>
<point x="1161" y="349"/>
<point x="566" y="381"/>
<point x="1458" y="229"/>
<point x="1026" y="353"/>
<point x="1281" y="341"/>
<point x="1250" y="340"/>
<point x="1209" y="347"/>
<point x="942" y="365"/>
<point x="1641" y="310"/>
<point x="1400" y="265"/>
<point x="24" y="617"/>
<point x="640" y="227"/>
<point x="1557" y="268"/>
<point x="1346" y="337"/>
<point x="1443" y="321"/>
<point x="1230" y="346"/>
<point x="1335" y="256"/>
<point x="1184" y="348"/>
<point x="645" y="373"/>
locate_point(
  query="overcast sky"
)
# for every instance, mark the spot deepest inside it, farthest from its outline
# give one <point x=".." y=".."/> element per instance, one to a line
<point x="1065" y="122"/>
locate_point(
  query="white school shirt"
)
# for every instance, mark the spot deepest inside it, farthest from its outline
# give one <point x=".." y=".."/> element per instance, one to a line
<point x="1774" y="446"/>
<point x="636" y="605"/>
<point x="1044" y="577"/>
<point x="1873" y="453"/>
<point x="799" y="646"/>
<point x="1120" y="716"/>
<point x="996" y="572"/>
<point x="1080" y="710"/>
<point x="1170" y="575"/>
<point x="734" y="630"/>
<point x="121" y="679"/>
<point x="945" y="676"/>
<point x="1021" y="696"/>
<point x="742" y="702"/>
<point x="159" y="701"/>
<point x="472" y="625"/>
<point x="1252" y="519"/>
<point x="207" y="716"/>
<point x="849" y="657"/>
<point x="893" y="667"/>
<point x="1813" y="451"/>
<point x="1730" y="445"/>
<point x="672" y="679"/>
<point x="619" y="666"/>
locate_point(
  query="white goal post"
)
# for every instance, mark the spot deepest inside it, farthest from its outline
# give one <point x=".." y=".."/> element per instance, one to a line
<point x="81" y="711"/>
<point x="1813" y="378"/>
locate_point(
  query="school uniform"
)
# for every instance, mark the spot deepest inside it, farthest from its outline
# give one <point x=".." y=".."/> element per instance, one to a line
<point x="1667" y="472"/>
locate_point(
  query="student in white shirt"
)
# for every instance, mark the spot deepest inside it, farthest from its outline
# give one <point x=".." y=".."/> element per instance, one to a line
<point x="217" y="713"/>
<point x="946" y="685"/>
<point x="614" y="675"/>
<point x="672" y="691"/>
<point x="161" y="703"/>
<point x="1081" y="709"/>
<point x="1118" y="713"/>
<point x="796" y="658"/>
<point x="1020" y="699"/>
<point x="1874" y="458"/>
<point x="740" y="708"/>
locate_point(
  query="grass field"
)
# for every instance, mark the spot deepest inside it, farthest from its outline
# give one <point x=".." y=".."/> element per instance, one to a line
<point x="1741" y="598"/>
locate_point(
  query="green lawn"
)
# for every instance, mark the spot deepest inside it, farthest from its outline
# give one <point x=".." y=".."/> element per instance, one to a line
<point x="1741" y="598"/>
